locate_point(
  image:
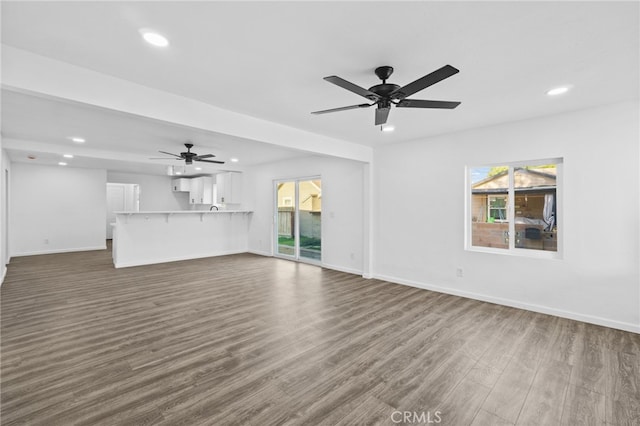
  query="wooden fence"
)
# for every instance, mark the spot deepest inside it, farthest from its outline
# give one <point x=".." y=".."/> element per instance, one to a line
<point x="310" y="223"/>
<point x="286" y="223"/>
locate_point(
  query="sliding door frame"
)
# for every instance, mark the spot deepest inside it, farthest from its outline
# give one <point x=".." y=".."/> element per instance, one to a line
<point x="296" y="231"/>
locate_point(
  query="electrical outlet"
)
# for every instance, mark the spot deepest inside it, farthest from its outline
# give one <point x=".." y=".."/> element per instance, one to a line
<point x="459" y="272"/>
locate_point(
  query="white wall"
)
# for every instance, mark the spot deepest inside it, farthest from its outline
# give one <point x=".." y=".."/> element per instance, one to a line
<point x="155" y="191"/>
<point x="64" y="205"/>
<point x="419" y="216"/>
<point x="342" y="207"/>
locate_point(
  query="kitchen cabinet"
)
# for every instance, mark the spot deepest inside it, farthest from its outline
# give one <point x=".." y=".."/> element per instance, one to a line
<point x="181" y="185"/>
<point x="229" y="188"/>
<point x="201" y="190"/>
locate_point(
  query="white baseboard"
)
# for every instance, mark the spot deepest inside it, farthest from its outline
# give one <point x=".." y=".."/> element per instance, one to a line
<point x="4" y="274"/>
<point x="342" y="269"/>
<point x="634" y="328"/>
<point x="65" y="250"/>
<point x="142" y="262"/>
<point x="260" y="253"/>
<point x="324" y="265"/>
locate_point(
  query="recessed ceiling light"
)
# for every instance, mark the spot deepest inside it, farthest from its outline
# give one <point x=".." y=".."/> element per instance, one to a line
<point x="62" y="163"/>
<point x="154" y="38"/>
<point x="178" y="173"/>
<point x="198" y="168"/>
<point x="77" y="139"/>
<point x="558" y="90"/>
<point x="68" y="155"/>
<point x="387" y="128"/>
<point x="234" y="160"/>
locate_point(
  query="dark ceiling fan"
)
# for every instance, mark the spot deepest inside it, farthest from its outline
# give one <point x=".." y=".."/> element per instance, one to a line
<point x="386" y="94"/>
<point x="189" y="157"/>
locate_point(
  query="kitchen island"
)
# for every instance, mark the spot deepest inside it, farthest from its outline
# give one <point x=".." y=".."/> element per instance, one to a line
<point x="143" y="238"/>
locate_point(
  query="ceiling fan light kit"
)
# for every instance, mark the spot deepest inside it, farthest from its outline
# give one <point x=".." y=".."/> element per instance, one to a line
<point x="385" y="94"/>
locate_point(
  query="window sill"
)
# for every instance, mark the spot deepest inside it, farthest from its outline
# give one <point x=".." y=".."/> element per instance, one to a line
<point x="519" y="252"/>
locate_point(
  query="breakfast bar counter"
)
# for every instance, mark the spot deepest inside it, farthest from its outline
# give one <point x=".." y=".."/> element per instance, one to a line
<point x="143" y="238"/>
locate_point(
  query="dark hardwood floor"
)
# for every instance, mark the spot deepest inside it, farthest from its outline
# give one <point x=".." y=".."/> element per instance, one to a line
<point x="253" y="340"/>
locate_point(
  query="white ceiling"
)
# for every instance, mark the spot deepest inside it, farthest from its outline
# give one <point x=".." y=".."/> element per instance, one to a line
<point x="267" y="60"/>
<point x="43" y="127"/>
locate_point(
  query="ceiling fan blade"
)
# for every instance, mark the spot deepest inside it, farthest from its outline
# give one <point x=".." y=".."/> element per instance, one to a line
<point x="342" y="108"/>
<point x="352" y="87"/>
<point x="168" y="153"/>
<point x="419" y="103"/>
<point x="209" y="161"/>
<point x="381" y="115"/>
<point x="203" y="156"/>
<point x="424" y="82"/>
<point x="165" y="158"/>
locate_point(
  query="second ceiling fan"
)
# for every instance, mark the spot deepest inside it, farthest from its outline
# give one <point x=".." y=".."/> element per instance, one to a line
<point x="189" y="157"/>
<point x="386" y="94"/>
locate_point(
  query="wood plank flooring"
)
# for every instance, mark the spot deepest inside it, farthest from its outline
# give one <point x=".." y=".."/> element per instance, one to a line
<point x="250" y="340"/>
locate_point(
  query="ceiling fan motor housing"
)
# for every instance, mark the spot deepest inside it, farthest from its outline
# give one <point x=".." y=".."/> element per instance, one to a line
<point x="385" y="89"/>
<point x="188" y="156"/>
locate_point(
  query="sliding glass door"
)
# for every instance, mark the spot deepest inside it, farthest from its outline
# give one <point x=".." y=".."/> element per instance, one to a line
<point x="299" y="219"/>
<point x="286" y="220"/>
<point x="310" y="219"/>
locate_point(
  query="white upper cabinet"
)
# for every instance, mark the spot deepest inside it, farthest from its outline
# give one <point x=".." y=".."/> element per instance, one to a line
<point x="181" y="185"/>
<point x="196" y="192"/>
<point x="229" y="188"/>
<point x="207" y="190"/>
<point x="201" y="191"/>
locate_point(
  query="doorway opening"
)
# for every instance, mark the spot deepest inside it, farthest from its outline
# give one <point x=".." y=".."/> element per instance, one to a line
<point x="299" y="219"/>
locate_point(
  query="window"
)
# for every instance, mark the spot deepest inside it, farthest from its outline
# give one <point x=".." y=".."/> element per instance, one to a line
<point x="515" y="208"/>
<point x="497" y="208"/>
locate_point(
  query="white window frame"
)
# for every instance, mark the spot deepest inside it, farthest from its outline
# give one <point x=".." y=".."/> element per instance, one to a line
<point x="513" y="250"/>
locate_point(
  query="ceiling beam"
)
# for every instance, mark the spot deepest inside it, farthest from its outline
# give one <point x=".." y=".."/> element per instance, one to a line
<point x="23" y="70"/>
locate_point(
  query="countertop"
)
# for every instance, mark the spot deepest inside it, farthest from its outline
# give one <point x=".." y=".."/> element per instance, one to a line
<point x="184" y="212"/>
